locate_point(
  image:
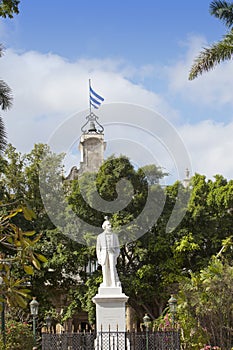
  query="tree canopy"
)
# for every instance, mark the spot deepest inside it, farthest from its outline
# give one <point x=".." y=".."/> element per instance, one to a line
<point x="150" y="267"/>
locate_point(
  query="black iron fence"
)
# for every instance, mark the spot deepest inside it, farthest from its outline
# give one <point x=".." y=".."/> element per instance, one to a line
<point x="148" y="340"/>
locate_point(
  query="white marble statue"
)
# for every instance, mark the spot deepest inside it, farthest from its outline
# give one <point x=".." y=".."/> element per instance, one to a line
<point x="107" y="250"/>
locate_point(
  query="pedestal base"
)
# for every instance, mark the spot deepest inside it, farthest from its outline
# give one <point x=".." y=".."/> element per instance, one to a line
<point x="110" y="309"/>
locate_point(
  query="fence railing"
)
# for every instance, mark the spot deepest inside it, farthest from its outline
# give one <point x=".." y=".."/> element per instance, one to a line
<point x="148" y="340"/>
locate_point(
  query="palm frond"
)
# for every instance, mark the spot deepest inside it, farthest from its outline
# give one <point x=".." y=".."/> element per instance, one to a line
<point x="222" y="10"/>
<point x="6" y="97"/>
<point x="3" y="140"/>
<point x="210" y="57"/>
<point x="8" y="8"/>
<point x="1" y="50"/>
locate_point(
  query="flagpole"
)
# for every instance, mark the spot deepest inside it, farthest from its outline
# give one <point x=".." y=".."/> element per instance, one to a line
<point x="90" y="95"/>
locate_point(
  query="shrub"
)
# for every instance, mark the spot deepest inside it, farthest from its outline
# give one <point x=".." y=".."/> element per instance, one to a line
<point x="18" y="336"/>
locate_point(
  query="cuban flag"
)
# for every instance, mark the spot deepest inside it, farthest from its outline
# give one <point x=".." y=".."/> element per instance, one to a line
<point x="95" y="99"/>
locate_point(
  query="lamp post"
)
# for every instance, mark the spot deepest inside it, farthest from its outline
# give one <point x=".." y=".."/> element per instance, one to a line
<point x="146" y="321"/>
<point x="34" y="306"/>
<point x="172" y="305"/>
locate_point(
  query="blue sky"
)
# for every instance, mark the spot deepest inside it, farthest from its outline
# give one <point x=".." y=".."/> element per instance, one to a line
<point x="134" y="52"/>
<point x="138" y="32"/>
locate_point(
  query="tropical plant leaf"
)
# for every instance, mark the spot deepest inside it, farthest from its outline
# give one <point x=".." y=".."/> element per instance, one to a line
<point x="41" y="257"/>
<point x="19" y="300"/>
<point x="24" y="292"/>
<point x="36" y="263"/>
<point x="213" y="55"/>
<point x="28" y="269"/>
<point x="222" y="10"/>
<point x="29" y="233"/>
<point x="28" y="213"/>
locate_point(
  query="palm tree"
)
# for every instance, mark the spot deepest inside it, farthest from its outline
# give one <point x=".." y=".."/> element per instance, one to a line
<point x="5" y="103"/>
<point x="8" y="8"/>
<point x="220" y="51"/>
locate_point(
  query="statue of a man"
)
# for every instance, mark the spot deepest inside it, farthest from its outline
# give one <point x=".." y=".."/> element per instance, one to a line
<point x="107" y="250"/>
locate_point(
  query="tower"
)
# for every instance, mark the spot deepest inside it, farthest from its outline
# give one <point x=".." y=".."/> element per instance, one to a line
<point x="91" y="146"/>
<point x="186" y="181"/>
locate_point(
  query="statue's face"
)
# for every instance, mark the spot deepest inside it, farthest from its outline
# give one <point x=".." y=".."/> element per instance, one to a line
<point x="108" y="226"/>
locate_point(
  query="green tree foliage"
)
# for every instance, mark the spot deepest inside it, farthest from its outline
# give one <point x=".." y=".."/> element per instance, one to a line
<point x="206" y="305"/>
<point x="223" y="49"/>
<point x="150" y="267"/>
<point x="18" y="336"/>
<point x="8" y="8"/>
<point x="18" y="253"/>
<point x="65" y="259"/>
<point x="21" y="233"/>
<point x="20" y="181"/>
<point x="119" y="184"/>
<point x="207" y="222"/>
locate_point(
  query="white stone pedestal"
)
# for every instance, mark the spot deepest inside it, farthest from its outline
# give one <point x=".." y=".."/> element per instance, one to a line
<point x="110" y="319"/>
<point x="110" y="309"/>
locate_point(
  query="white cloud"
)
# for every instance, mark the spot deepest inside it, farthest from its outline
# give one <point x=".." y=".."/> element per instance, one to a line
<point x="210" y="146"/>
<point x="48" y="88"/>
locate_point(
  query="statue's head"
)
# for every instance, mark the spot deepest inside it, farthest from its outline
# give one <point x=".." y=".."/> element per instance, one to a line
<point x="107" y="225"/>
